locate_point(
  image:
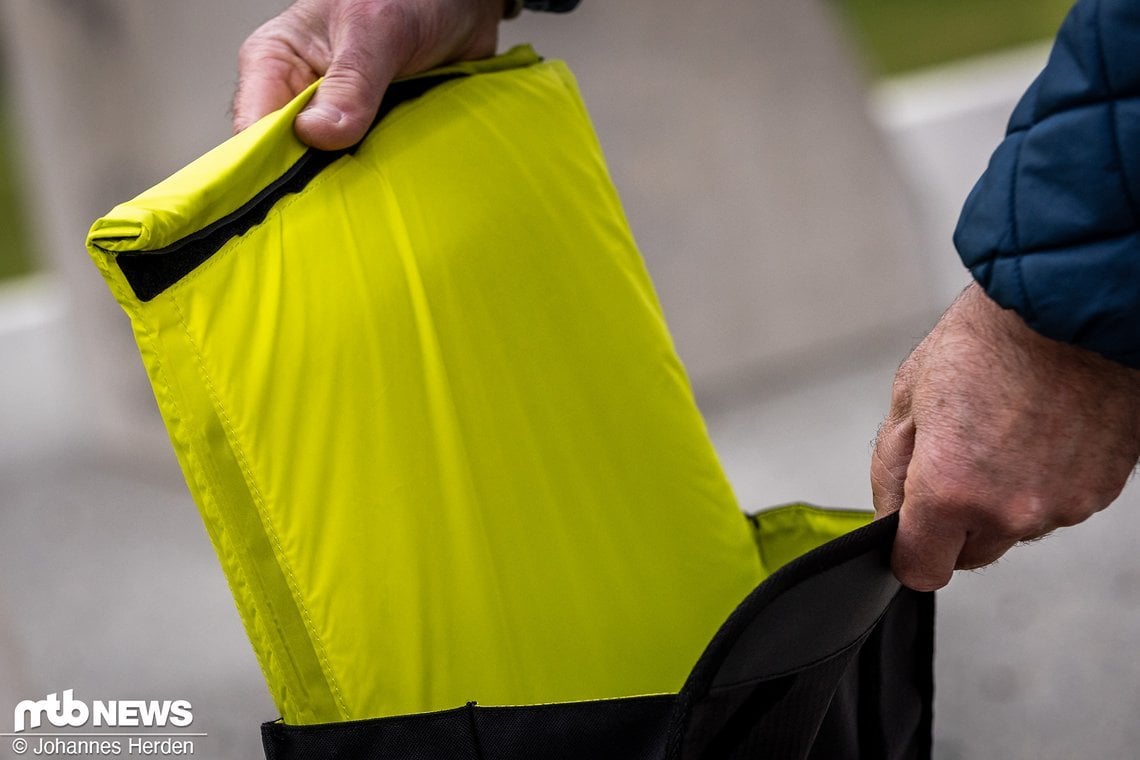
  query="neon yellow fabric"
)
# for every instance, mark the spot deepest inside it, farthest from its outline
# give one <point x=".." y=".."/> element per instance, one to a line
<point x="784" y="533"/>
<point x="431" y="414"/>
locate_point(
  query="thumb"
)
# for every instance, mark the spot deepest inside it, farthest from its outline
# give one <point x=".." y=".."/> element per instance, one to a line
<point x="367" y="53"/>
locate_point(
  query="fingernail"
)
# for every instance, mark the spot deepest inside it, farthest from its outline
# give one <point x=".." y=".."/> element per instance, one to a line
<point x="323" y="113"/>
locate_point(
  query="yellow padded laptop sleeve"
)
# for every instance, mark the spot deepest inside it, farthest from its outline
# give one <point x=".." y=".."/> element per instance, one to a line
<point x="425" y="399"/>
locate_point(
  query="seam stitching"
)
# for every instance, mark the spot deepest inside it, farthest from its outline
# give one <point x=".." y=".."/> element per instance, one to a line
<point x="259" y="501"/>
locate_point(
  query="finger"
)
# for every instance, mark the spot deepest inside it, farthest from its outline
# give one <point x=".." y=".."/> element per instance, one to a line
<point x="997" y="531"/>
<point x="270" y="73"/>
<point x="261" y="92"/>
<point x="894" y="447"/>
<point x="369" y="48"/>
<point x="983" y="548"/>
<point x="926" y="549"/>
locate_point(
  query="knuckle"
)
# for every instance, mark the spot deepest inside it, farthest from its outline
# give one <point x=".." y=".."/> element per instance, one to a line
<point x="1020" y="523"/>
<point x="1078" y="510"/>
<point x="1066" y="518"/>
<point x="939" y="494"/>
<point x="267" y="44"/>
<point x="901" y="388"/>
<point x="380" y="14"/>
<point x="1037" y="514"/>
<point x="252" y="48"/>
<point x="352" y="64"/>
<point x="1021" y="520"/>
<point x="275" y="28"/>
<point x="1118" y="472"/>
<point x="385" y="27"/>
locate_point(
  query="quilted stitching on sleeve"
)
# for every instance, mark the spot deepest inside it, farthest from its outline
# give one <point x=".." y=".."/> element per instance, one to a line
<point x="1052" y="228"/>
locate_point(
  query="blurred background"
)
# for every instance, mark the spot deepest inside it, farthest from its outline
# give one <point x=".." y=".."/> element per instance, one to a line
<point x="793" y="170"/>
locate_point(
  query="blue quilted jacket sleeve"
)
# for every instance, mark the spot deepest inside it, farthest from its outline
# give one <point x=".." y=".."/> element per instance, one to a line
<point x="1052" y="228"/>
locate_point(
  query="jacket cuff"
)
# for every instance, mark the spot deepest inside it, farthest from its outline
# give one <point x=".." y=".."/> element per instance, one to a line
<point x="553" y="6"/>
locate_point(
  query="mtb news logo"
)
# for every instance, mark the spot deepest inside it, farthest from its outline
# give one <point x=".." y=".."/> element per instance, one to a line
<point x="69" y="712"/>
<point x="111" y="728"/>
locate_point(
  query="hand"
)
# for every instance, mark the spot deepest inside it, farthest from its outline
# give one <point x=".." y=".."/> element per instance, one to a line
<point x="997" y="435"/>
<point x="359" y="46"/>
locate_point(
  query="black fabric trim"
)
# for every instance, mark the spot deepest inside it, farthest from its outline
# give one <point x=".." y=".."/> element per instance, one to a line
<point x="611" y="729"/>
<point x="149" y="273"/>
<point x="553" y="6"/>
